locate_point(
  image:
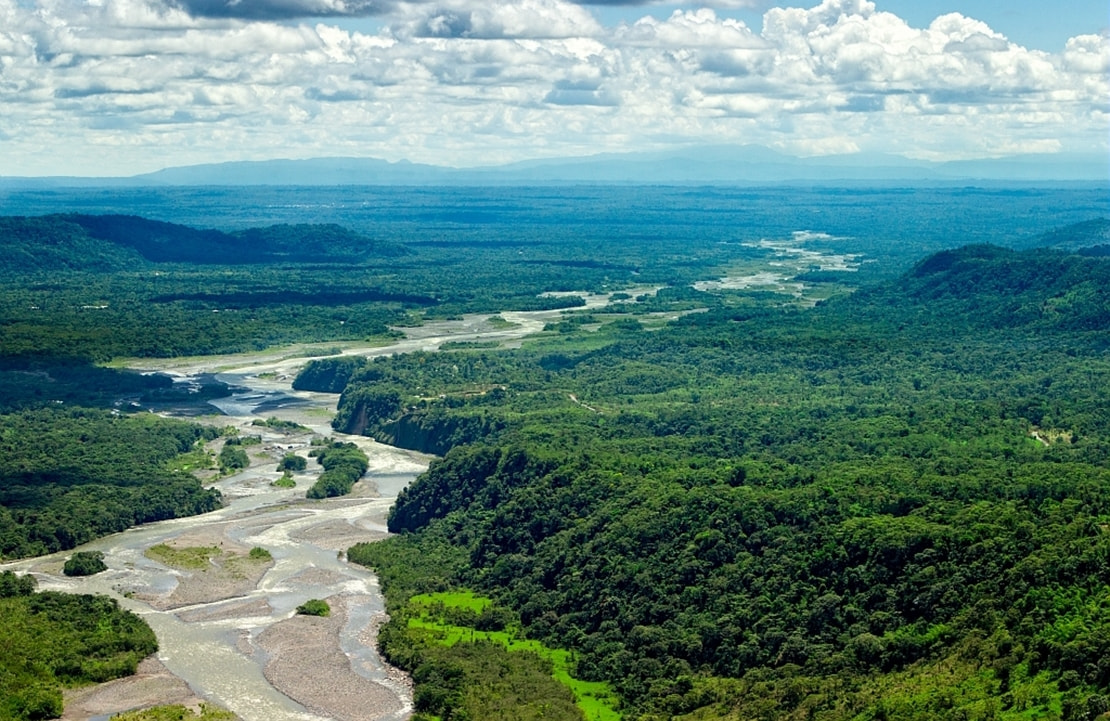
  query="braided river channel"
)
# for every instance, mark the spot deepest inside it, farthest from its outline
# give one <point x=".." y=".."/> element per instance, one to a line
<point x="229" y="634"/>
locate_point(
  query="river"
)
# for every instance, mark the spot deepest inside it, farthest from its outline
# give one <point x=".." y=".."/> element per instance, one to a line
<point x="237" y="642"/>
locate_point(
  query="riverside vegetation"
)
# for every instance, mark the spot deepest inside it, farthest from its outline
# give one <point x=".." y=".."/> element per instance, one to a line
<point x="56" y="640"/>
<point x="891" y="505"/>
<point x="894" y="505"/>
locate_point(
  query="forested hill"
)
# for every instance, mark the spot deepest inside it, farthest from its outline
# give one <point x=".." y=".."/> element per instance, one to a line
<point x="988" y="286"/>
<point x="891" y="506"/>
<point x="117" y="242"/>
<point x="52" y="244"/>
<point x="69" y="475"/>
<point x="1084" y="236"/>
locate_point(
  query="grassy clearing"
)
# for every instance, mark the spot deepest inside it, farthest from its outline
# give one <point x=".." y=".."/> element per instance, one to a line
<point x="238" y="566"/>
<point x="177" y="713"/>
<point x="596" y="700"/>
<point x="453" y="599"/>
<point x="198" y="459"/>
<point x="212" y="559"/>
<point x="191" y="558"/>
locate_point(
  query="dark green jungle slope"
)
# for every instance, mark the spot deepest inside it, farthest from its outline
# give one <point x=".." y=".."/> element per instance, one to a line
<point x="115" y="242"/>
<point x="895" y="505"/>
<point x="68" y="476"/>
<point x="75" y="464"/>
<point x="57" y="640"/>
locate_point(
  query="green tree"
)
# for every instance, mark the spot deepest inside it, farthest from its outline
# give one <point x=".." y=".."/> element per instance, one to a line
<point x="84" y="563"/>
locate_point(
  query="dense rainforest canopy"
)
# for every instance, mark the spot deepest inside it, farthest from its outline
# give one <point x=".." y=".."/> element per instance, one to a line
<point x="894" y="504"/>
<point x="874" y="486"/>
<point x="68" y="476"/>
<point x="58" y="640"/>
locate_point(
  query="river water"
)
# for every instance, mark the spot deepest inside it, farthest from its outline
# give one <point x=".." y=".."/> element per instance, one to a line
<point x="218" y="647"/>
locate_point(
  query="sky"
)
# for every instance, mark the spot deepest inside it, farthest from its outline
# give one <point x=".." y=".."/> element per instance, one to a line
<point x="120" y="87"/>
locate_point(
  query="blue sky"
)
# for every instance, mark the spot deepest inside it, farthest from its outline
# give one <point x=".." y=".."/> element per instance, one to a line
<point x="1022" y="21"/>
<point x="117" y="87"/>
<point x="1037" y="25"/>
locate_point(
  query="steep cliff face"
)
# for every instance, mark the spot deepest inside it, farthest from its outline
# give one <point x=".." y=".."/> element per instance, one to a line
<point x="360" y="421"/>
<point x="362" y="408"/>
<point x="331" y="375"/>
<point x="433" y="432"/>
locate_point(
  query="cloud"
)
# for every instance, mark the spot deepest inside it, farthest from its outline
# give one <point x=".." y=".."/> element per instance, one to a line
<point x="283" y="9"/>
<point x="571" y="92"/>
<point x="138" y="84"/>
<point x="864" y="104"/>
<point x="334" y="95"/>
<point x="302" y="9"/>
<point x="695" y="29"/>
<point x="293" y="9"/>
<point x="978" y="43"/>
<point x="730" y="4"/>
<point x="95" y="89"/>
<point x="524" y="19"/>
<point x="1088" y="54"/>
<point x="737" y="63"/>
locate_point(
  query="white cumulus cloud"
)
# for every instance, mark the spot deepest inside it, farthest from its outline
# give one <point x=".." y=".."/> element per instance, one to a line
<point x="134" y="85"/>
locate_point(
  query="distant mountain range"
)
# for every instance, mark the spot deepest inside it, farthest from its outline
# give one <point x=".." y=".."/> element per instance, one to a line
<point x="709" y="165"/>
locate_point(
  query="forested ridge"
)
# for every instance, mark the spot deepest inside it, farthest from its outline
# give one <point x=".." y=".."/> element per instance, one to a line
<point x="68" y="476"/>
<point x="893" y="505"/>
<point x="113" y="242"/>
<point x="105" y="287"/>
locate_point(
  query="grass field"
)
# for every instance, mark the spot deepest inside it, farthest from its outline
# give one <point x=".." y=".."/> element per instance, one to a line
<point x="596" y="700"/>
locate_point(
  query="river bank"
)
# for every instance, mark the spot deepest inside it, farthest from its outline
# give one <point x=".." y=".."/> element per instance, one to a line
<point x="228" y="633"/>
